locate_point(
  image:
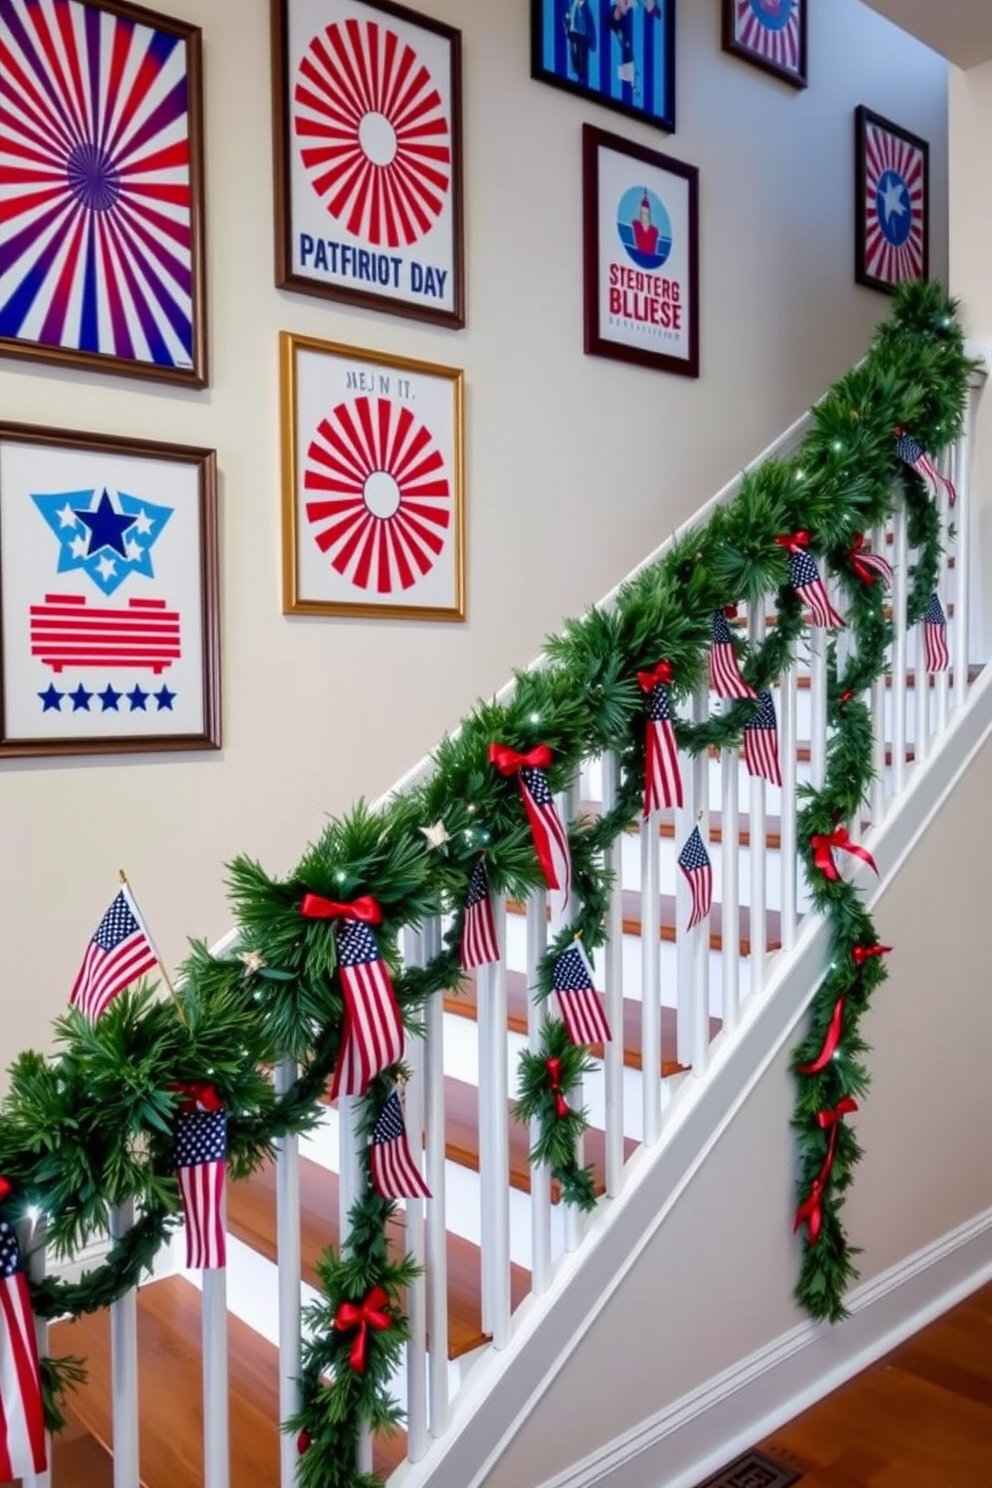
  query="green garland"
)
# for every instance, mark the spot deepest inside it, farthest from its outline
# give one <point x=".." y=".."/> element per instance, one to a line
<point x="91" y="1127"/>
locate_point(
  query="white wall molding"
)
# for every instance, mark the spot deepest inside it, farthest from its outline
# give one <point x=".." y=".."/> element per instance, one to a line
<point x="695" y="1436"/>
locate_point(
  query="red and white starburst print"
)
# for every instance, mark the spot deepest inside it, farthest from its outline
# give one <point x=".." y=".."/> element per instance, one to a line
<point x="770" y="29"/>
<point x="95" y="198"/>
<point x="378" y="495"/>
<point x="373" y="133"/>
<point x="895" y="172"/>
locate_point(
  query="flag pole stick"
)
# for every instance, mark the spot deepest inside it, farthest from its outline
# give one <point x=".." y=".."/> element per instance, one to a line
<point x="161" y="964"/>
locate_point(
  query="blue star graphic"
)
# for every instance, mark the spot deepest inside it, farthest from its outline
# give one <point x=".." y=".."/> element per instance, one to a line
<point x="137" y="699"/>
<point x="109" y="699"/>
<point x="80" y="699"/>
<point x="164" y="698"/>
<point x="51" y="699"/>
<point x="107" y="527"/>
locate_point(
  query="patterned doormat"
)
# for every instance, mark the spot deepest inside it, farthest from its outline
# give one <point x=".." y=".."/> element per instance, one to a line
<point x="753" y="1470"/>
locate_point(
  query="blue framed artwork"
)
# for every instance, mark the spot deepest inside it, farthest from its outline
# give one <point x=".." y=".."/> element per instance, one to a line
<point x="621" y="53"/>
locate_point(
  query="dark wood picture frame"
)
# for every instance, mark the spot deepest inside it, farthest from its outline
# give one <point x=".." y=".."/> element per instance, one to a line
<point x="87" y="307"/>
<point x="554" y="60"/>
<point x="682" y="290"/>
<point x="870" y="252"/>
<point x="771" y="50"/>
<point x="148" y="632"/>
<point x="397" y="267"/>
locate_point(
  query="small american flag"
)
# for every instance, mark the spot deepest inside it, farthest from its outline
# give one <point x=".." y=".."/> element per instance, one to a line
<point x="22" y="1429"/>
<point x="548" y="829"/>
<point x="914" y="455"/>
<point x="805" y="578"/>
<point x="761" y="742"/>
<point x="479" y="943"/>
<point x="662" y="777"/>
<point x="938" y="657"/>
<point x="394" y="1173"/>
<point x="725" y="673"/>
<point x="695" y="864"/>
<point x="117" y="955"/>
<point x="372" y="1035"/>
<point x="581" y="1005"/>
<point x="200" y="1151"/>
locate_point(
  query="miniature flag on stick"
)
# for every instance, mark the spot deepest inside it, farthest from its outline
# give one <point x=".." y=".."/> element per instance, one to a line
<point x="119" y="952"/>
<point x="914" y="455"/>
<point x="22" y="1430"/>
<point x="547" y="827"/>
<point x="479" y="942"/>
<point x="938" y="658"/>
<point x="725" y="673"/>
<point x="662" y="777"/>
<point x="394" y="1173"/>
<point x="761" y="753"/>
<point x="372" y="1035"/>
<point x="200" y="1153"/>
<point x="804" y="577"/>
<point x="581" y="1005"/>
<point x="695" y="864"/>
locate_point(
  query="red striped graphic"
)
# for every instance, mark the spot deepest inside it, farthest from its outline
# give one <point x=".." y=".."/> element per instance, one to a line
<point x="65" y="632"/>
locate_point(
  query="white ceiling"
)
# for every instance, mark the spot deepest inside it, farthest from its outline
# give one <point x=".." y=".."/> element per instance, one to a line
<point x="960" y="29"/>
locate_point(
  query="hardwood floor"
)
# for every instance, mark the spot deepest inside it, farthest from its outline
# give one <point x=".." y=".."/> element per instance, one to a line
<point x="919" y="1418"/>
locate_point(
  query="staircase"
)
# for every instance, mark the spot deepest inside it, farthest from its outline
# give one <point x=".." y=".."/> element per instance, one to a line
<point x="690" y="1012"/>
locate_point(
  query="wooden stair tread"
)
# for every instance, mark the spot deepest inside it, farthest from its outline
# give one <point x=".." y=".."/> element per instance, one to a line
<point x="666" y="825"/>
<point x="171" y="1391"/>
<point x="251" y="1216"/>
<point x="78" y="1460"/>
<point x="631" y="910"/>
<point x="465" y="1005"/>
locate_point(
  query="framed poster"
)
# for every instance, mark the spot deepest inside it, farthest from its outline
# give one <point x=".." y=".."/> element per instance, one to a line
<point x="109" y="629"/>
<point x="892" y="203"/>
<point x="373" y="504"/>
<point x="769" y="33"/>
<point x="368" y="157"/>
<point x="620" y="53"/>
<point x="101" y="160"/>
<point x="641" y="254"/>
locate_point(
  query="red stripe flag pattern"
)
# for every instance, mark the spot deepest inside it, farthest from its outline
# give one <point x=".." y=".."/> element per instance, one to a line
<point x="372" y="1037"/>
<point x="662" y="777"/>
<point x="867" y="565"/>
<point x="547" y="827"/>
<point x="394" y="1173"/>
<point x="938" y="658"/>
<point x="200" y="1153"/>
<point x="581" y="1005"/>
<point x="117" y="955"/>
<point x="695" y="864"/>
<point x="725" y="673"/>
<point x="22" y="1428"/>
<point x="916" y="457"/>
<point x="805" y="578"/>
<point x="479" y="944"/>
<point x="761" y="752"/>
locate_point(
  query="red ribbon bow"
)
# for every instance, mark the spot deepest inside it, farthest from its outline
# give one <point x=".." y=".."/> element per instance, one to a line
<point x="840" y="841"/>
<point x="5" y="1189"/>
<point x="366" y="909"/>
<point x="200" y="1095"/>
<point x="868" y="566"/>
<point x="846" y="697"/>
<point x="730" y="611"/>
<point x="304" y="1442"/>
<point x="363" y="1316"/>
<point x="661" y="674"/>
<point x="829" y="1043"/>
<point x="860" y="954"/>
<point x="795" y="540"/>
<point x="553" y="1067"/>
<point x="811" y="1209"/>
<point x="508" y="761"/>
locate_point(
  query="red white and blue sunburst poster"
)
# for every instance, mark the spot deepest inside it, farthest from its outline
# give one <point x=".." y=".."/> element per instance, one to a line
<point x="367" y="114"/>
<point x="892" y="203"/>
<point x="372" y="484"/>
<point x="101" y="262"/>
<point x="769" y="33"/>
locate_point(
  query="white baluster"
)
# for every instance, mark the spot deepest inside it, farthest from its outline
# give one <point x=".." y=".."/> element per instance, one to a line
<point x="32" y="1242"/>
<point x="899" y="649"/>
<point x="650" y="979"/>
<point x="962" y="562"/>
<point x="699" y="993"/>
<point x="436" y="1222"/>
<point x="540" y="1173"/>
<point x="730" y="898"/>
<point x="416" y="1297"/>
<point x="288" y="1250"/>
<point x="124" y="1365"/>
<point x="788" y="866"/>
<point x="569" y="808"/>
<point x="613" y="961"/>
<point x="818" y="704"/>
<point x="216" y="1424"/>
<point x="921" y="691"/>
<point x="759" y="922"/>
<point x="495" y="1157"/>
<point x="877" y="701"/>
<point x="349" y="1188"/>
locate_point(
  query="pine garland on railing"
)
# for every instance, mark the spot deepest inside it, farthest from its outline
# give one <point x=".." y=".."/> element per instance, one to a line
<point x="92" y="1127"/>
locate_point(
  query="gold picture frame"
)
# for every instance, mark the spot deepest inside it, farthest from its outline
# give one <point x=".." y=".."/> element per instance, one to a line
<point x="373" y="483"/>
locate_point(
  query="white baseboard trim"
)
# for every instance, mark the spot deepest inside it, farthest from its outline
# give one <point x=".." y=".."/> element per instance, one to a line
<point x="687" y="1441"/>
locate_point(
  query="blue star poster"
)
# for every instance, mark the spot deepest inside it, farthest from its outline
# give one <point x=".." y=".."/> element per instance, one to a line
<point x="102" y="596"/>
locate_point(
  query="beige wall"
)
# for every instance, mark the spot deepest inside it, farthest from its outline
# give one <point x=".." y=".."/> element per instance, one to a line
<point x="714" y="1283"/>
<point x="576" y="467"/>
